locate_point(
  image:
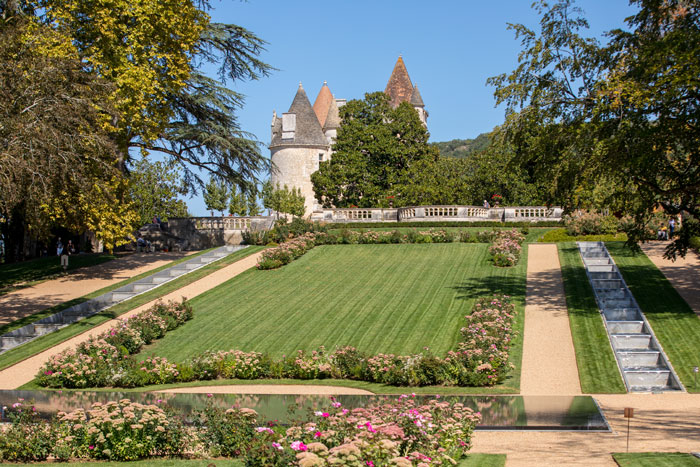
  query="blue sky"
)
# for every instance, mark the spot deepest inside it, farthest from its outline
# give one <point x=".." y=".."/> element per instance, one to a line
<point x="450" y="48"/>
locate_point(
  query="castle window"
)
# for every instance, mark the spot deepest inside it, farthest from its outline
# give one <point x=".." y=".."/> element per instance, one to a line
<point x="320" y="157"/>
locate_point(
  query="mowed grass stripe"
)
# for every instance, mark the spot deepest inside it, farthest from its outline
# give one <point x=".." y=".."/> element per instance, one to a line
<point x="379" y="298"/>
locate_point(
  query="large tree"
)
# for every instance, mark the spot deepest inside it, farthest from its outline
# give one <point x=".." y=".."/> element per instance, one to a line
<point x="374" y="150"/>
<point x="626" y="112"/>
<point x="154" y="188"/>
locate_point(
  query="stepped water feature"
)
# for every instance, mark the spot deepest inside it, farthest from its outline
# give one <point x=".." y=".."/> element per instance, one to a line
<point x="75" y="313"/>
<point x="641" y="359"/>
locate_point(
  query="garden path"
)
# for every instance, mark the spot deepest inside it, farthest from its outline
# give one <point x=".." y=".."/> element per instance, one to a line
<point x="23" y="372"/>
<point x="77" y="283"/>
<point x="662" y="423"/>
<point x="549" y="361"/>
<point x="683" y="274"/>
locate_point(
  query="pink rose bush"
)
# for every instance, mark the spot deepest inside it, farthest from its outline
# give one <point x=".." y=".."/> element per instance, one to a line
<point x="105" y="360"/>
<point x="506" y="248"/>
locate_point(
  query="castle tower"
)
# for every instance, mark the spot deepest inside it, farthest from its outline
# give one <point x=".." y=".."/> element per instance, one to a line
<point x="400" y="89"/>
<point x="297" y="145"/>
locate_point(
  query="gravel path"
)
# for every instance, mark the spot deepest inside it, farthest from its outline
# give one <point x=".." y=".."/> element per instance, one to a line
<point x="661" y="423"/>
<point x="23" y="372"/>
<point x="549" y="361"/>
<point x="77" y="283"/>
<point x="684" y="273"/>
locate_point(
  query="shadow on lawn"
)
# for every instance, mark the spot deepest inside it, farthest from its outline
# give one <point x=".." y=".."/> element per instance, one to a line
<point x="485" y="286"/>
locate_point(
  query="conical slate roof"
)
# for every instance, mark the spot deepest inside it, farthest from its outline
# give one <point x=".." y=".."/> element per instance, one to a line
<point x="323" y="102"/>
<point x="333" y="118"/>
<point x="416" y="99"/>
<point x="308" y="131"/>
<point x="399" y="88"/>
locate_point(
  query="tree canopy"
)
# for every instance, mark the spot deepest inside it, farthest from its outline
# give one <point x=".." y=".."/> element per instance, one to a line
<point x="626" y="112"/>
<point x="154" y="188"/>
<point x="373" y="152"/>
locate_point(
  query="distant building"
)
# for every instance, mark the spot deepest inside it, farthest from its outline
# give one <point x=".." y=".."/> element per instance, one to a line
<point x="302" y="136"/>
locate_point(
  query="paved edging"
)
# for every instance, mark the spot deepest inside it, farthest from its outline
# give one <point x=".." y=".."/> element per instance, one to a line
<point x="23" y="372"/>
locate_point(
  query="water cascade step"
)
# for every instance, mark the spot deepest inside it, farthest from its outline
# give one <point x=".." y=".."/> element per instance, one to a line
<point x="641" y="359"/>
<point x="75" y="313"/>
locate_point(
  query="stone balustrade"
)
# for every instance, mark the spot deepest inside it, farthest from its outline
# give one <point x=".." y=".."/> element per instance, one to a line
<point x="439" y="213"/>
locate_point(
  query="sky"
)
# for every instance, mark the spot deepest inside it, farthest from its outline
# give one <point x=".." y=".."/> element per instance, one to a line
<point x="450" y="48"/>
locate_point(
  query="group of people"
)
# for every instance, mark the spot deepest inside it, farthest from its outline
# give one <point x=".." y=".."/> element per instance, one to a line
<point x="665" y="233"/>
<point x="63" y="251"/>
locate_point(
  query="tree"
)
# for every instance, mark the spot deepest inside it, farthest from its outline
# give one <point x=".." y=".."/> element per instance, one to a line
<point x="154" y="188"/>
<point x="252" y="203"/>
<point x="374" y="150"/>
<point x="283" y="200"/>
<point x="237" y="204"/>
<point x="626" y="112"/>
<point x="216" y="195"/>
<point x="56" y="150"/>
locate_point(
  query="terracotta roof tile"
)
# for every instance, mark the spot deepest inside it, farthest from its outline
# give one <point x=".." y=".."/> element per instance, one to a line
<point x="323" y="102"/>
<point x="399" y="87"/>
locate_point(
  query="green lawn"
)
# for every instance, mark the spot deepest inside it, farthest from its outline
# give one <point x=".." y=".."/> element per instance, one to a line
<point x="656" y="459"/>
<point x="675" y="324"/>
<point x="36" y="270"/>
<point x="597" y="368"/>
<point x="379" y="298"/>
<point x="49" y="340"/>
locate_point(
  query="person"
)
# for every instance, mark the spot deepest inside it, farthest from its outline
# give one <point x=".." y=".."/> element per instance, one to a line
<point x="486" y="204"/>
<point x="70" y="247"/>
<point x="661" y="234"/>
<point x="140" y="243"/>
<point x="64" y="259"/>
<point x="59" y="247"/>
<point x="671" y="227"/>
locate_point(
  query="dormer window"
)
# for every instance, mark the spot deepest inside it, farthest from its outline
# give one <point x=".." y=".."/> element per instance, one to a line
<point x="320" y="157"/>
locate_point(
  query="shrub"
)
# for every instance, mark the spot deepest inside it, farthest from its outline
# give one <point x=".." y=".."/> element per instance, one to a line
<point x="695" y="243"/>
<point x="560" y="235"/>
<point x="26" y="438"/>
<point x="226" y="432"/>
<point x="591" y="223"/>
<point x="506" y="248"/>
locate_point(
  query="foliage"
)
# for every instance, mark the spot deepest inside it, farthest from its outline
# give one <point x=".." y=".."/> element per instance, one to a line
<point x="283" y="200"/>
<point x="27" y="438"/>
<point x="590" y="223"/>
<point x="373" y="152"/>
<point x="561" y="235"/>
<point x="237" y="203"/>
<point x="154" y="188"/>
<point x="506" y="248"/>
<point x="252" y="204"/>
<point x="463" y="148"/>
<point x="695" y="244"/>
<point x="56" y="148"/>
<point x="216" y="195"/>
<point x="579" y="112"/>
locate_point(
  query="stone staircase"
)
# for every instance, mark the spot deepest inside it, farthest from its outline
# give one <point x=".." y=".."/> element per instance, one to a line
<point x="641" y="359"/>
<point x="75" y="313"/>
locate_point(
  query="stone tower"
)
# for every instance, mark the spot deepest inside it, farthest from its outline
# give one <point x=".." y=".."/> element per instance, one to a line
<point x="303" y="136"/>
<point x="297" y="145"/>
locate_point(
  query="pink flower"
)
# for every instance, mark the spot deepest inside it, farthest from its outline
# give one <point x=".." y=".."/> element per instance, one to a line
<point x="209" y="395"/>
<point x="369" y="463"/>
<point x="317" y="434"/>
<point x="298" y="446"/>
<point x="91" y="447"/>
<point x="277" y="446"/>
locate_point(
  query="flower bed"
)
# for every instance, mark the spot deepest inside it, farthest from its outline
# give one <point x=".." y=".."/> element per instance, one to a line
<point x="104" y="360"/>
<point x="290" y="250"/>
<point x="480" y="359"/>
<point x="506" y="248"/>
<point x="395" y="432"/>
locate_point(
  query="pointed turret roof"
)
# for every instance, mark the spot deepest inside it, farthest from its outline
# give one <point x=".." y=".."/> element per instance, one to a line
<point x="416" y="99"/>
<point x="307" y="131"/>
<point x="332" y="120"/>
<point x="399" y="88"/>
<point x="323" y="102"/>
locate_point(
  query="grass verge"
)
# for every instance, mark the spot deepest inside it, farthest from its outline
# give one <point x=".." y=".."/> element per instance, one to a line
<point x="674" y="323"/>
<point x="15" y="276"/>
<point x="597" y="368"/>
<point x="62" y="306"/>
<point x="379" y="298"/>
<point x="656" y="459"/>
<point x="20" y="353"/>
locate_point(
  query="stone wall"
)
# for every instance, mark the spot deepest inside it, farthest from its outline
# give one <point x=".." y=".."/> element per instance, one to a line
<point x="440" y="214"/>
<point x="208" y="232"/>
<point x="293" y="166"/>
